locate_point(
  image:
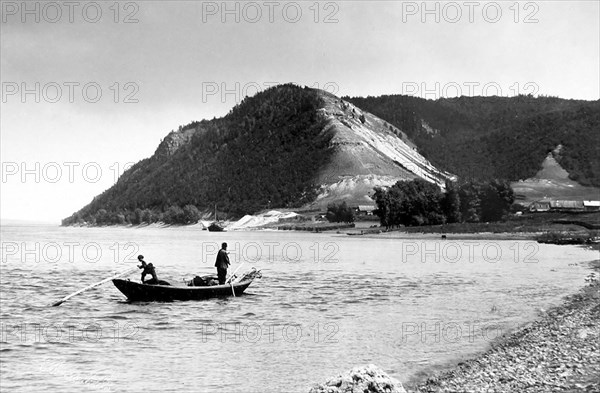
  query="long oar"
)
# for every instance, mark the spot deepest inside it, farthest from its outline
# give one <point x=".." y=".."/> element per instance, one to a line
<point x="128" y="271"/>
<point x="230" y="281"/>
<point x="233" y="275"/>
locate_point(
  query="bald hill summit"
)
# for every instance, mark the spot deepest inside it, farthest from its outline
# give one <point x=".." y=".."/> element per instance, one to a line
<point x="303" y="148"/>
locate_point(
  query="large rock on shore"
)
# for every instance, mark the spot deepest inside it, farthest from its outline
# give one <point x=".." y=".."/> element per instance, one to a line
<point x="366" y="379"/>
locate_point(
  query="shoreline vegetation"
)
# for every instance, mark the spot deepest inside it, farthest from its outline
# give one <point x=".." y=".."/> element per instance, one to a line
<point x="552" y="228"/>
<point x="549" y="227"/>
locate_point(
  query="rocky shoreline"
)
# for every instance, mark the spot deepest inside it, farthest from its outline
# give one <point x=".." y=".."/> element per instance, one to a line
<point x="560" y="352"/>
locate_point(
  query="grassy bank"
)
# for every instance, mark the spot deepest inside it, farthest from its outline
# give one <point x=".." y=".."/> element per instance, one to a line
<point x="556" y="228"/>
<point x="558" y="353"/>
<point x="532" y="222"/>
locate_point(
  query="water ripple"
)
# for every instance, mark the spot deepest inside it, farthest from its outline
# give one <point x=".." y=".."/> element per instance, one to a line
<point x="301" y="323"/>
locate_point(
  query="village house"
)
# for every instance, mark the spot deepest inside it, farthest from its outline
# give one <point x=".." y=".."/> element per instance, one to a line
<point x="365" y="210"/>
<point x="563" y="205"/>
<point x="540" y="206"/>
<point x="546" y="205"/>
<point x="591" y="205"/>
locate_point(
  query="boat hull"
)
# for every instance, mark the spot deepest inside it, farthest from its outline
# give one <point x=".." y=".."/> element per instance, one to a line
<point x="166" y="293"/>
<point x="214" y="227"/>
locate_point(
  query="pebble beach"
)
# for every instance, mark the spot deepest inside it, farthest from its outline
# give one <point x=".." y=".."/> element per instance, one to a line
<point x="560" y="352"/>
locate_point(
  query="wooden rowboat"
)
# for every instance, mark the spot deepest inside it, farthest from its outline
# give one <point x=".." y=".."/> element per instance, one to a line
<point x="136" y="291"/>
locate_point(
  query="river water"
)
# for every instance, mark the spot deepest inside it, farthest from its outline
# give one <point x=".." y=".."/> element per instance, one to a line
<point x="325" y="303"/>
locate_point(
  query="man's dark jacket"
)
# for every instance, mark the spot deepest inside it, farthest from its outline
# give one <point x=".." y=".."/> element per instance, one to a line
<point x="222" y="259"/>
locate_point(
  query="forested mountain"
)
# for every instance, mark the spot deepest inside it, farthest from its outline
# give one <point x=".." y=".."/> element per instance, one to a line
<point x="291" y="147"/>
<point x="497" y="137"/>
<point x="285" y="147"/>
<point x="264" y="152"/>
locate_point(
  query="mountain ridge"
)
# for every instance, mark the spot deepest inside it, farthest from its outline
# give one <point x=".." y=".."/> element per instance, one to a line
<point x="302" y="148"/>
<point x="286" y="147"/>
<point x="497" y="137"/>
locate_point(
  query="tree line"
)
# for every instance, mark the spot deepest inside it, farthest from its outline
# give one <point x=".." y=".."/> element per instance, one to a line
<point x="173" y="215"/>
<point x="418" y="202"/>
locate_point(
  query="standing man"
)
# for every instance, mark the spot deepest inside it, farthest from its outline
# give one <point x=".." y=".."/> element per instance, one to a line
<point x="222" y="263"/>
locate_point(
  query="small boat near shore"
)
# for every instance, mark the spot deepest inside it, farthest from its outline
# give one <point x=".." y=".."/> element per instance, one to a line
<point x="216" y="227"/>
<point x="136" y="291"/>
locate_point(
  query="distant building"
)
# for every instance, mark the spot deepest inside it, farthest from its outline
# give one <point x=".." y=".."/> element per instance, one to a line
<point x="591" y="205"/>
<point x="564" y="205"/>
<point x="365" y="210"/>
<point x="540" y="206"/>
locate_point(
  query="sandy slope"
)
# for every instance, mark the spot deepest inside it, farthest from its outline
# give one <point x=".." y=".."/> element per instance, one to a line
<point x="552" y="182"/>
<point x="259" y="220"/>
<point x="367" y="154"/>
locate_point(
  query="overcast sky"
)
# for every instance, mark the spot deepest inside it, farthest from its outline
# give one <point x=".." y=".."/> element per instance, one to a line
<point x="109" y="91"/>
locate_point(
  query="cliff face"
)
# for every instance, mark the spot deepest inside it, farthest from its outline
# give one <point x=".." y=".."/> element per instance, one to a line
<point x="367" y="152"/>
<point x="286" y="147"/>
<point x="173" y="141"/>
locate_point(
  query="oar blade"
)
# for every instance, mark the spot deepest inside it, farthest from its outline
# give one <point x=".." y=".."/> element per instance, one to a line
<point x="64" y="299"/>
